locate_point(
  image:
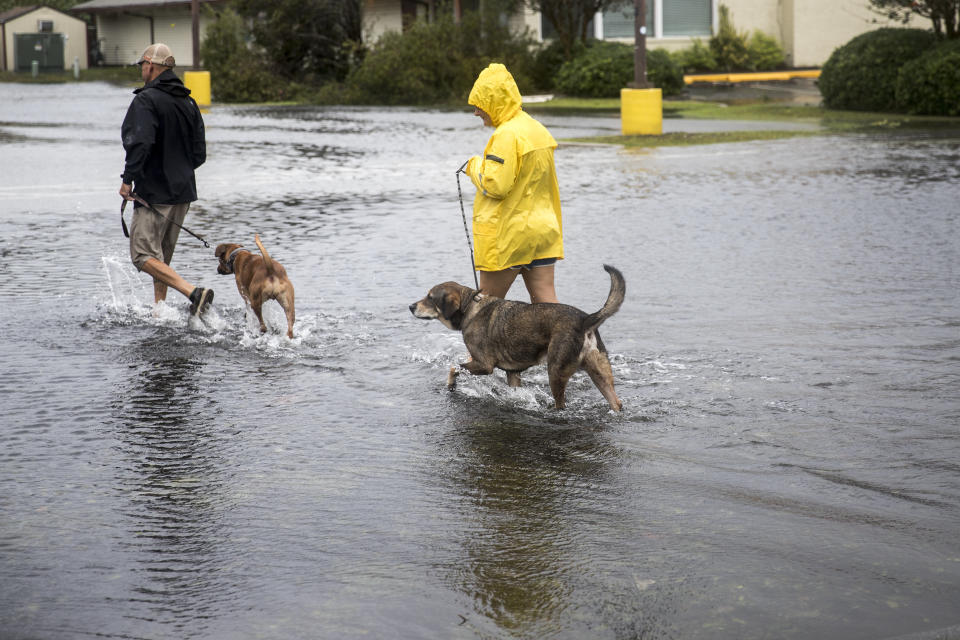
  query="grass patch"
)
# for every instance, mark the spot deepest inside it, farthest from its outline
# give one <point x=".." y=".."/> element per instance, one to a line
<point x="681" y="139"/>
<point x="122" y="76"/>
<point x="758" y="111"/>
<point x="575" y="105"/>
<point x="830" y="121"/>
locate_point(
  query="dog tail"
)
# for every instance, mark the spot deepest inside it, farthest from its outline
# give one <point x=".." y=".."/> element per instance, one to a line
<point x="618" y="288"/>
<point x="267" y="261"/>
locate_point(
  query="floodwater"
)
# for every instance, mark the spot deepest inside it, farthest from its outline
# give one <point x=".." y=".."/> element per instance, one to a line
<point x="787" y="464"/>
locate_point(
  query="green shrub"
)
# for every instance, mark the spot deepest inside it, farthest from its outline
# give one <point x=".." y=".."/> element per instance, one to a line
<point x="434" y="63"/>
<point x="237" y="73"/>
<point x="764" y="53"/>
<point x="697" y="58"/>
<point x="663" y="72"/>
<point x="599" y="72"/>
<point x="547" y="63"/>
<point x="421" y="66"/>
<point x="862" y="74"/>
<point x="606" y="67"/>
<point x="729" y="46"/>
<point x="930" y="84"/>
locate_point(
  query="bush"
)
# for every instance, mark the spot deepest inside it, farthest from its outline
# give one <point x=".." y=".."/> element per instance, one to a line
<point x="434" y="63"/>
<point x="663" y="72"/>
<point x="547" y="63"/>
<point x="930" y="84"/>
<point x="606" y="67"/>
<point x="421" y="66"/>
<point x="764" y="53"/>
<point x="728" y="46"/>
<point x="599" y="72"/>
<point x="862" y="74"/>
<point x="696" y="58"/>
<point x="237" y="74"/>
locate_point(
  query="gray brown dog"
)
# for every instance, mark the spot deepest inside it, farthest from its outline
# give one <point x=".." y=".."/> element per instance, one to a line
<point x="514" y="336"/>
<point x="259" y="278"/>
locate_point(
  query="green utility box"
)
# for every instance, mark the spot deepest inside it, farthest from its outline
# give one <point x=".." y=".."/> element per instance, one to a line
<point x="45" y="48"/>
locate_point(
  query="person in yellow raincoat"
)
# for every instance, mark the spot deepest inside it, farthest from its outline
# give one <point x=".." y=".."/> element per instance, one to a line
<point x="517" y="228"/>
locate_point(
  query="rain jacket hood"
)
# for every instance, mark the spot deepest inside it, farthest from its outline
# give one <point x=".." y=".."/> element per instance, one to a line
<point x="516" y="212"/>
<point x="496" y="92"/>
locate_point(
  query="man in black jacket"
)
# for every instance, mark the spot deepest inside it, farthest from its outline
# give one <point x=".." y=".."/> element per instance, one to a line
<point x="163" y="136"/>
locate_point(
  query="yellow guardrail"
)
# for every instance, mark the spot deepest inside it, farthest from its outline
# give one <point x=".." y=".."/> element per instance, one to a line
<point x="764" y="76"/>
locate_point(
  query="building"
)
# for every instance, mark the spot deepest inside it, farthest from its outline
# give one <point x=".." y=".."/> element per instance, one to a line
<point x="808" y="30"/>
<point x="43" y="34"/>
<point x="126" y="27"/>
<point x="381" y="16"/>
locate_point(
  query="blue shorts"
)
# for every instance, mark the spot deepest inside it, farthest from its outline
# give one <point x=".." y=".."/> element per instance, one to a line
<point x="542" y="262"/>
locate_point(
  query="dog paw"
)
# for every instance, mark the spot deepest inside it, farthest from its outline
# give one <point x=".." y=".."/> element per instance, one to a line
<point x="452" y="377"/>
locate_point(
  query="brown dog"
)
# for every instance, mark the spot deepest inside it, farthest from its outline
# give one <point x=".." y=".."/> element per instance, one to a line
<point x="258" y="278"/>
<point x="514" y="336"/>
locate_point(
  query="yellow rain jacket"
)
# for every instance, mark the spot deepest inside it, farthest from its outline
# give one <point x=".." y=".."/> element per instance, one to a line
<point x="516" y="212"/>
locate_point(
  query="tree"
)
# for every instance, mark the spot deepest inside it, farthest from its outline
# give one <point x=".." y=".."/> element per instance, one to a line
<point x="945" y="14"/>
<point x="306" y="37"/>
<point x="62" y="5"/>
<point x="570" y="18"/>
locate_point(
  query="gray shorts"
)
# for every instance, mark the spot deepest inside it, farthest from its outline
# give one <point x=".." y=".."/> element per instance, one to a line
<point x="153" y="237"/>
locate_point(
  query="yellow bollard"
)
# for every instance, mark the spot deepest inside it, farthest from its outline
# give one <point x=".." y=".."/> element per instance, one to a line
<point x="199" y="84"/>
<point x="641" y="112"/>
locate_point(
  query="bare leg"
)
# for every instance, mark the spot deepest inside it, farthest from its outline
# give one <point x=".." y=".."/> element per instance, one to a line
<point x="159" y="291"/>
<point x="497" y="283"/>
<point x="166" y="276"/>
<point x="539" y="283"/>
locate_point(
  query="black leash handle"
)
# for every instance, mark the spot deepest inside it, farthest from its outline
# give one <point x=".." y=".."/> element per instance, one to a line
<point x="463" y="213"/>
<point x="123" y="223"/>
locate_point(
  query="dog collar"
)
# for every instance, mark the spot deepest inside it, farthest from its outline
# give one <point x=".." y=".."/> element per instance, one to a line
<point x="233" y="256"/>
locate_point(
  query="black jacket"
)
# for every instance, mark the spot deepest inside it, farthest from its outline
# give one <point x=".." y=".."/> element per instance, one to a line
<point x="163" y="136"/>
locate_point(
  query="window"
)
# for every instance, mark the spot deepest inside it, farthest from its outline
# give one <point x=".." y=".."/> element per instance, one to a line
<point x="619" y="23"/>
<point x="665" y="18"/>
<point x="45" y="26"/>
<point x="687" y="18"/>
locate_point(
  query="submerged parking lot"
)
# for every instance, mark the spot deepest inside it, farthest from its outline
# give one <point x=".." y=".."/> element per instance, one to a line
<point x="785" y="466"/>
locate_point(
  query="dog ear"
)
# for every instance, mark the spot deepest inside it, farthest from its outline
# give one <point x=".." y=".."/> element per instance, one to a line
<point x="219" y="251"/>
<point x="449" y="306"/>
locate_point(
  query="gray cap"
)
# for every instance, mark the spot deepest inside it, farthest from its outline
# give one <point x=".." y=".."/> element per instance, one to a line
<point x="158" y="53"/>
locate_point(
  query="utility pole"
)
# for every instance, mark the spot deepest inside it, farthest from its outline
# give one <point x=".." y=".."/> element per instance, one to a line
<point x="195" y="15"/>
<point x="640" y="44"/>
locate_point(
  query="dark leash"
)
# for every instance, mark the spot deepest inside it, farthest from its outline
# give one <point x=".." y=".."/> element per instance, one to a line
<point x="473" y="262"/>
<point x="123" y="222"/>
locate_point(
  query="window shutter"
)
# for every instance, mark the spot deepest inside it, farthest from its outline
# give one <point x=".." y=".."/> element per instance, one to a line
<point x="687" y="18"/>
<point x="618" y="23"/>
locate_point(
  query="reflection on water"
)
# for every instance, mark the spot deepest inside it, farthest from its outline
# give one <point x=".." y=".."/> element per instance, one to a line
<point x="785" y="466"/>
<point x="171" y="480"/>
<point x="519" y="550"/>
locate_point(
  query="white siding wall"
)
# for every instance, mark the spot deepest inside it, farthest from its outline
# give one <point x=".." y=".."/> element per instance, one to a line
<point x="820" y="26"/>
<point x="124" y="37"/>
<point x="74" y="29"/>
<point x="526" y="19"/>
<point x="808" y="30"/>
<point x="380" y="16"/>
